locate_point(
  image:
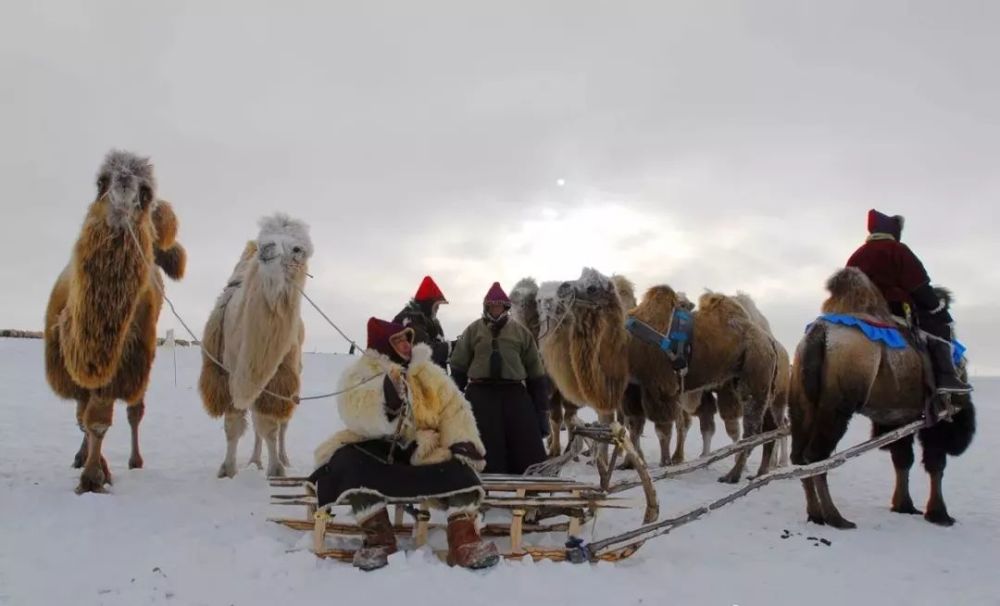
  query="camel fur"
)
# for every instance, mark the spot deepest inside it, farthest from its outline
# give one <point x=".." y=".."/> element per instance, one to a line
<point x="728" y="348"/>
<point x="838" y="371"/>
<point x="256" y="332"/>
<point x="100" y="322"/>
<point x="706" y="403"/>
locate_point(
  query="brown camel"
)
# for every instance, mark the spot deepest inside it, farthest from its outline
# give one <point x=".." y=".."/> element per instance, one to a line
<point x="839" y="371"/>
<point x="704" y="404"/>
<point x="256" y="332"/>
<point x="728" y="348"/>
<point x="100" y="323"/>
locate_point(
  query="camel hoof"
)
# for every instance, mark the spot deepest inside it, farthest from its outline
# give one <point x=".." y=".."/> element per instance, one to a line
<point x="92" y="481"/>
<point x="818" y="520"/>
<point x="841" y="524"/>
<point x="256" y="463"/>
<point x="676" y="459"/>
<point x="730" y="478"/>
<point x="135" y="462"/>
<point x="941" y="518"/>
<point x="275" y="471"/>
<point x="227" y="470"/>
<point x="906" y="508"/>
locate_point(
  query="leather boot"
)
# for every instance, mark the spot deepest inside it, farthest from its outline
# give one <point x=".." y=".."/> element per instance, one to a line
<point x="946" y="379"/>
<point x="465" y="547"/>
<point x="379" y="542"/>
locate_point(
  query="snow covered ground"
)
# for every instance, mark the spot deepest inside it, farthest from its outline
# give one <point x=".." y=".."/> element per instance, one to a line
<point x="174" y="534"/>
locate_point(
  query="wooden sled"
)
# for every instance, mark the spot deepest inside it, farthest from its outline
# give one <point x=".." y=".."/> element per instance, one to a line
<point x="531" y="500"/>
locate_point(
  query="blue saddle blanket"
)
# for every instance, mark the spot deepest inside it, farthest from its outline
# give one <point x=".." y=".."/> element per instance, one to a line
<point x="878" y="333"/>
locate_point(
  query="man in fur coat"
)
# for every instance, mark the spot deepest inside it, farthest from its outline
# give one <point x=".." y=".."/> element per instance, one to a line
<point x="904" y="283"/>
<point x="498" y="365"/>
<point x="420" y="314"/>
<point x="408" y="433"/>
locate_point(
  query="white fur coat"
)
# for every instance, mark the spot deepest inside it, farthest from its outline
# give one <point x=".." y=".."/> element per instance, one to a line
<point x="441" y="416"/>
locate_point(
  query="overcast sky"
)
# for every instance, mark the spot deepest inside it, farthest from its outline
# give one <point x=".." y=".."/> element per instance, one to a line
<point x="721" y="145"/>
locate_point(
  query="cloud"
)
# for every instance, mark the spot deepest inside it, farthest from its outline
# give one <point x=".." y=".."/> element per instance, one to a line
<point x="731" y="146"/>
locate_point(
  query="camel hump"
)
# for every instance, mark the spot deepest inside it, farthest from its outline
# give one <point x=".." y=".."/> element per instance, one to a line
<point x="851" y="292"/>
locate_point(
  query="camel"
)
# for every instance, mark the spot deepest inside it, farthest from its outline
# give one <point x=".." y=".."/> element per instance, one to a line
<point x="839" y="371"/>
<point x="256" y="332"/>
<point x="725" y="400"/>
<point x="100" y="322"/>
<point x="597" y="355"/>
<point x="545" y="315"/>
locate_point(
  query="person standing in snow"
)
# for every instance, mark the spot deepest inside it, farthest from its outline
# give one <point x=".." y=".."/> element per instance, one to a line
<point x="408" y="434"/>
<point x="904" y="283"/>
<point x="497" y="364"/>
<point x="420" y="314"/>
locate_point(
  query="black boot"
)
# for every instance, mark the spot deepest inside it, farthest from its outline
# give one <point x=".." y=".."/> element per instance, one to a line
<point x="946" y="378"/>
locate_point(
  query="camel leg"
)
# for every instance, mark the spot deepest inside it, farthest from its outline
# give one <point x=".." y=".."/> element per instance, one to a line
<point x="830" y="513"/>
<point x="683" y="423"/>
<point x="635" y="424"/>
<point x="729" y="410"/>
<point x="601" y="456"/>
<point x="752" y="421"/>
<point x="258" y="447"/>
<point x="234" y="426"/>
<point x="935" y="460"/>
<point x="135" y="414"/>
<point x="767" y="459"/>
<point x="81" y="454"/>
<point x="555" y="424"/>
<point x="97" y="419"/>
<point x="268" y="428"/>
<point x="814" y="512"/>
<point x="706" y="422"/>
<point x="902" y="461"/>
<point x="282" y="453"/>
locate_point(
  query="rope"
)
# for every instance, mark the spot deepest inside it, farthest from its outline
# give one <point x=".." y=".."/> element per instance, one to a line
<point x="214" y="360"/>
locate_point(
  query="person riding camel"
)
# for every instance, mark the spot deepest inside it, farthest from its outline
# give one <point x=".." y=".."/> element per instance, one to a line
<point x="904" y="283"/>
<point x="420" y="314"/>
<point x="409" y="435"/>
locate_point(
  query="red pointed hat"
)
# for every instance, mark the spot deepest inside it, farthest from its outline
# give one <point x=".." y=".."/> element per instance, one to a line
<point x="496" y="296"/>
<point x="880" y="223"/>
<point x="380" y="332"/>
<point x="429" y="291"/>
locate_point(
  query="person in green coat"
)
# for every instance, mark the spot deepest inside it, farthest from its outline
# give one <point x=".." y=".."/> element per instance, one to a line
<point x="496" y="363"/>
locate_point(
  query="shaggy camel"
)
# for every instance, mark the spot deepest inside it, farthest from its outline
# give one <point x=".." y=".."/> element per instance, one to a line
<point x="100" y="323"/>
<point x="725" y="400"/>
<point x="539" y="309"/>
<point x="256" y="332"/>
<point x="839" y="371"/>
<point x="728" y="348"/>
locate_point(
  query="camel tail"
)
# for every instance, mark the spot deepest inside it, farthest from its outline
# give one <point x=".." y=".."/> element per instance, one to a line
<point x="954" y="437"/>
<point x="813" y="359"/>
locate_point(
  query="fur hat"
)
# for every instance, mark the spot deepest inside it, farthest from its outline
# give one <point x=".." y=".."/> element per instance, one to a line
<point x="429" y="292"/>
<point x="380" y="334"/>
<point x="496" y="296"/>
<point x="879" y="223"/>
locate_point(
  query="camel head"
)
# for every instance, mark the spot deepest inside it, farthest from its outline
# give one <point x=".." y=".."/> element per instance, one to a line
<point x="283" y="250"/>
<point x="591" y="288"/>
<point x="524" y="304"/>
<point x="126" y="188"/>
<point x="552" y="308"/>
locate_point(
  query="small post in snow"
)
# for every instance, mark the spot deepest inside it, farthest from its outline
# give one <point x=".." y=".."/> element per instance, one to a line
<point x="171" y="343"/>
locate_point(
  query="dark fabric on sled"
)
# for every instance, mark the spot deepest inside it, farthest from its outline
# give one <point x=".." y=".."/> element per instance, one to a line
<point x="508" y="425"/>
<point x="363" y="468"/>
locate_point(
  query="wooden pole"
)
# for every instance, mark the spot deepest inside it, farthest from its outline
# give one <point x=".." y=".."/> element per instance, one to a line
<point x="648" y="531"/>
